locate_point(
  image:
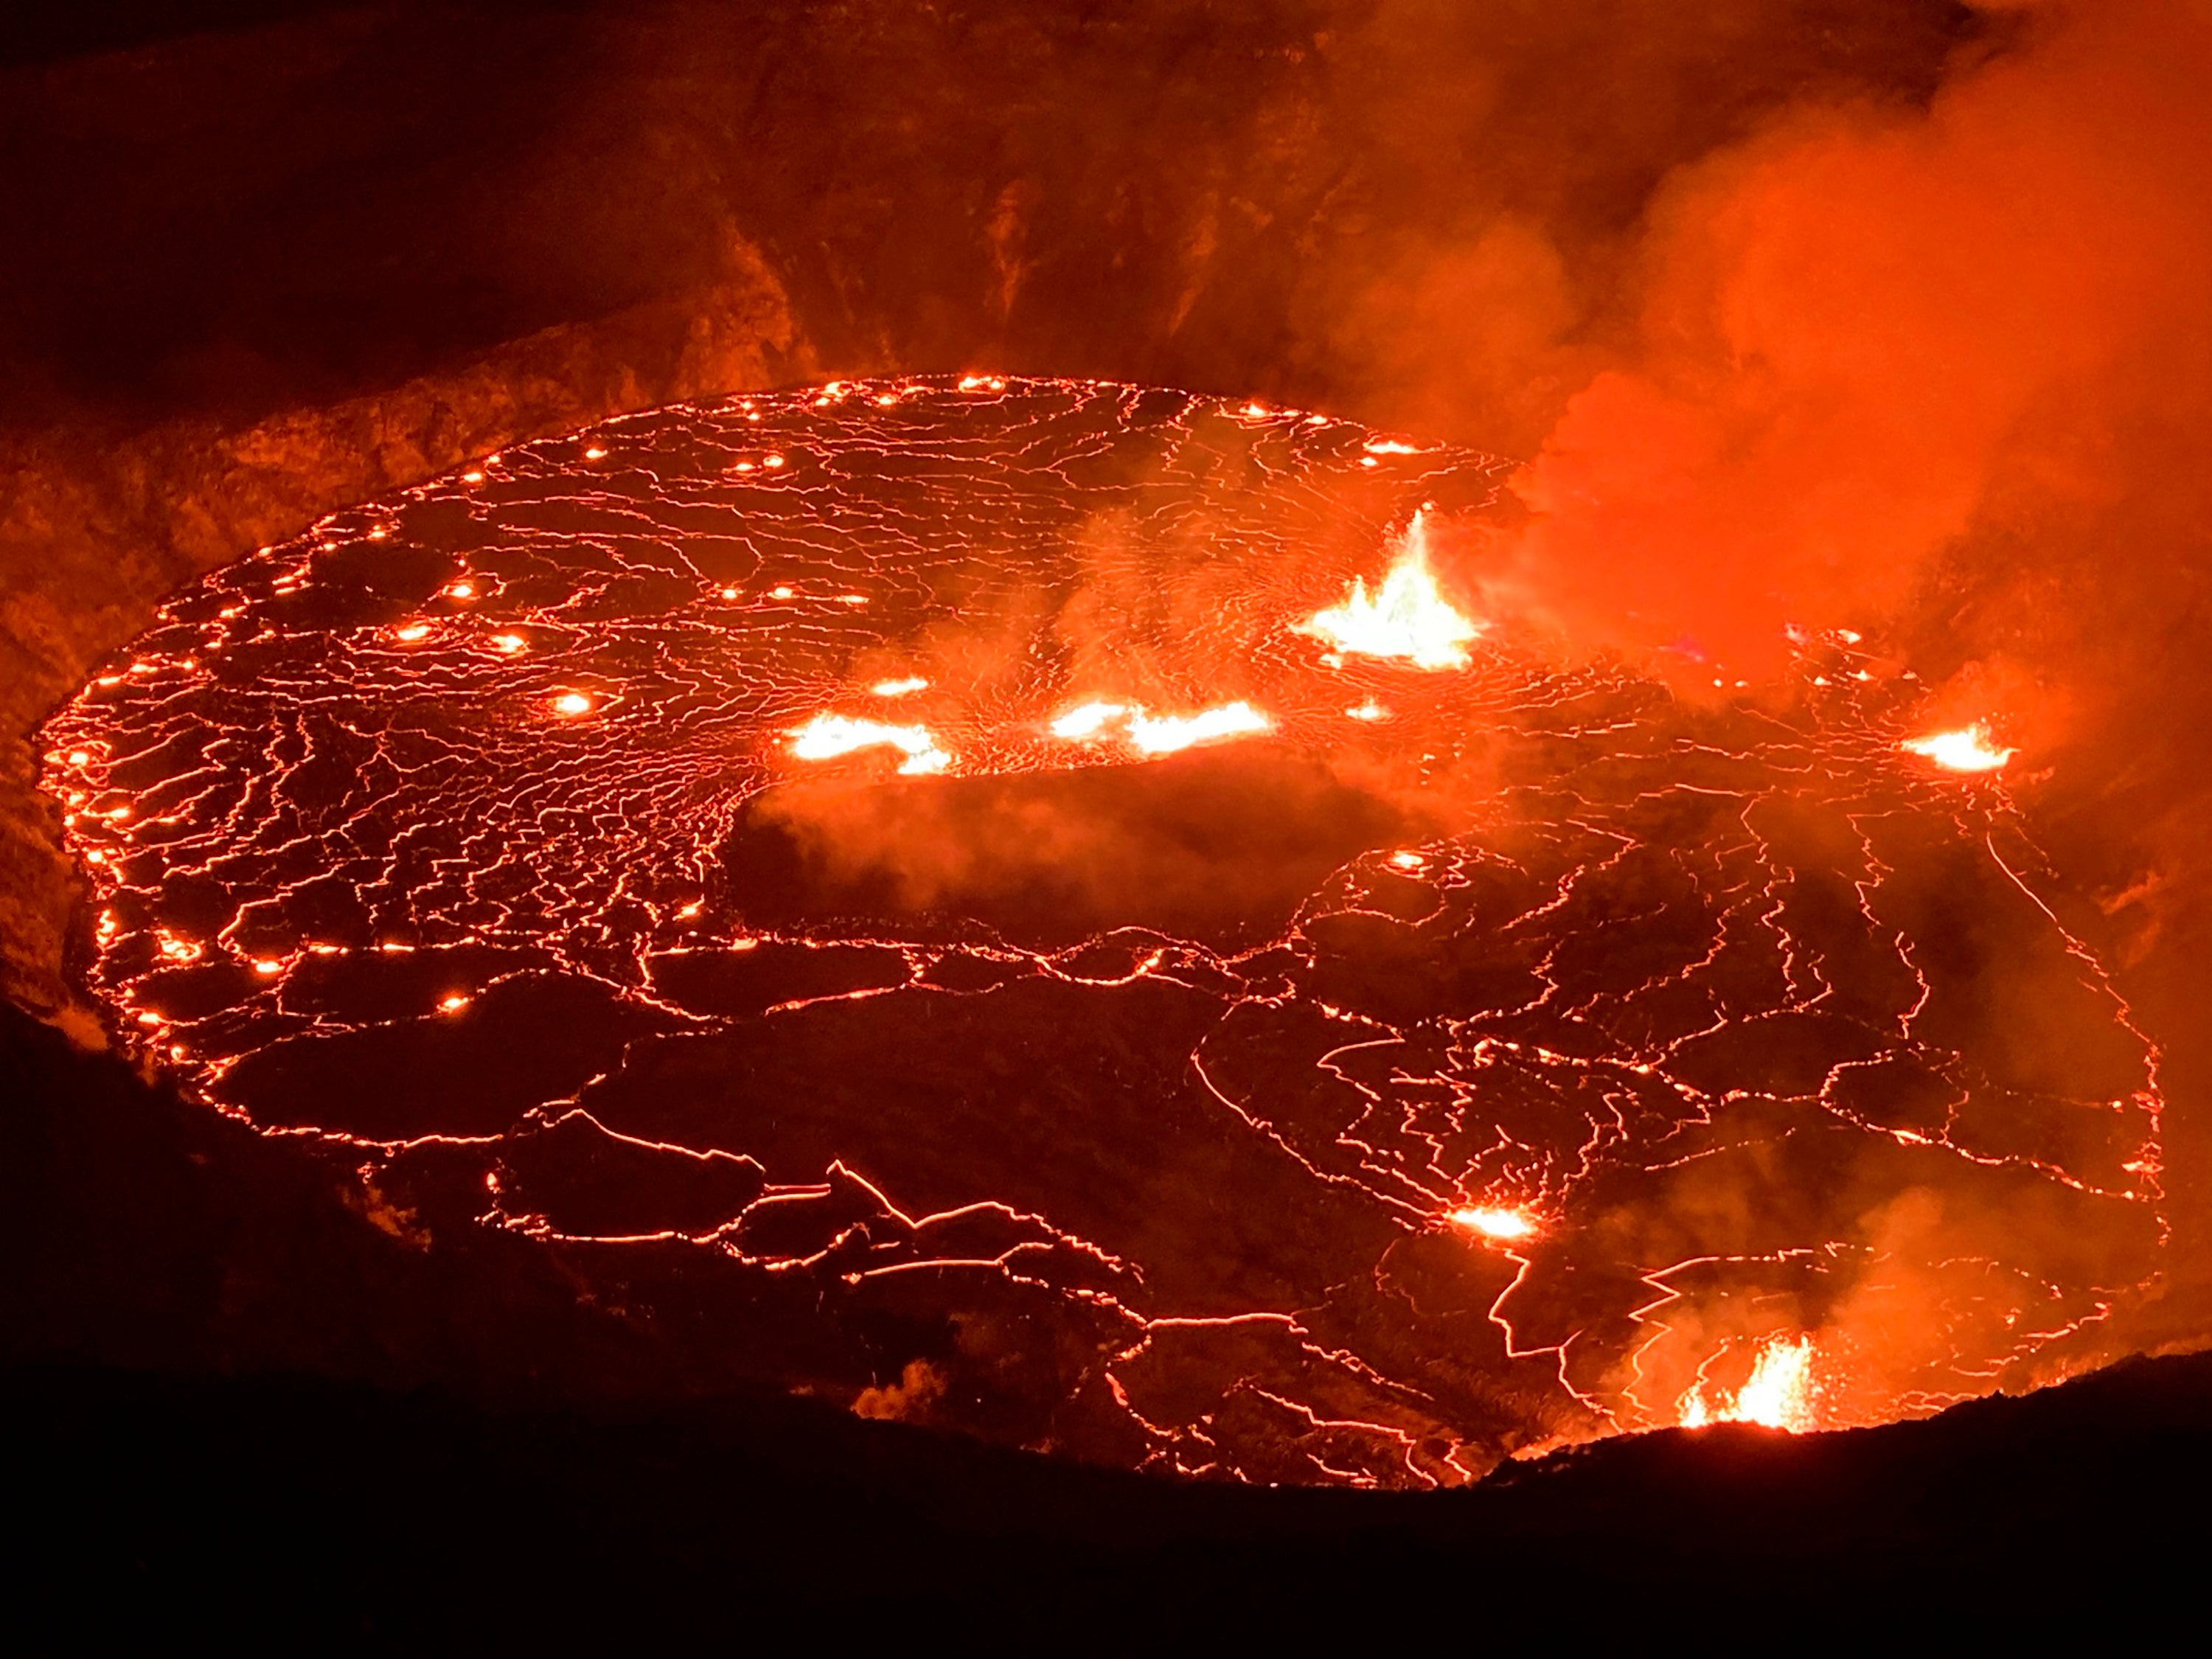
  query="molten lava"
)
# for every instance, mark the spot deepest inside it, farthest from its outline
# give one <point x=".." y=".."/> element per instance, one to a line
<point x="1196" y="1052"/>
<point x="1167" y="733"/>
<point x="826" y="737"/>
<point x="1968" y="749"/>
<point x="1407" y="617"/>
<point x="1158" y="734"/>
<point x="1780" y="1393"/>
<point x="1504" y="1225"/>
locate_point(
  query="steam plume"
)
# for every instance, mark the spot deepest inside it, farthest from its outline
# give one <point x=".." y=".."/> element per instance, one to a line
<point x="1866" y="333"/>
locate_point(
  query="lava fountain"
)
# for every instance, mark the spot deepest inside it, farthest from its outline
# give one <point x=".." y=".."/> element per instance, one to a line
<point x="958" y="895"/>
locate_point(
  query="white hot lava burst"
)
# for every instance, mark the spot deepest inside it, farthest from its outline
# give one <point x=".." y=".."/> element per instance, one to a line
<point x="1966" y="750"/>
<point x="1407" y="617"/>
<point x="1159" y="734"/>
<point x="828" y="736"/>
<point x="1779" y="1394"/>
<point x="1495" y="1222"/>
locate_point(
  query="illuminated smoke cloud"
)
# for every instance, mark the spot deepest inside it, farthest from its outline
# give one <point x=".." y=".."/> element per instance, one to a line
<point x="1869" y="332"/>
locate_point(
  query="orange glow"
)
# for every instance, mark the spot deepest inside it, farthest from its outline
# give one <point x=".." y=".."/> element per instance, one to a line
<point x="1503" y="1225"/>
<point x="1370" y="710"/>
<point x="595" y="453"/>
<point x="451" y="1003"/>
<point x="509" y="643"/>
<point x="782" y="592"/>
<point x="1779" y="1394"/>
<point x="828" y="736"/>
<point x="460" y="590"/>
<point x="1406" y="618"/>
<point x="267" y="966"/>
<point x="1966" y="750"/>
<point x="572" y="703"/>
<point x="412" y="632"/>
<point x="904" y="688"/>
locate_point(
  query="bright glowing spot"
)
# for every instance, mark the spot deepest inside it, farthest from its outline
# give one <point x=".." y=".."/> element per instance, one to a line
<point x="742" y="467"/>
<point x="772" y="462"/>
<point x="851" y="599"/>
<point x="268" y="965"/>
<point x="1389" y="447"/>
<point x="1087" y="719"/>
<point x="1778" y="1395"/>
<point x="1255" y="410"/>
<point x="595" y="453"/>
<point x="510" y="643"/>
<point x="1967" y="750"/>
<point x="1491" y="1222"/>
<point x="729" y="592"/>
<point x="460" y="590"/>
<point x="80" y="756"/>
<point x="781" y="592"/>
<point x="451" y="1003"/>
<point x="572" y="703"/>
<point x="690" y="909"/>
<point x="1407" y="860"/>
<point x="1170" y="732"/>
<point x="828" y="736"/>
<point x="1370" y="710"/>
<point x="1162" y="734"/>
<point x="1406" y="618"/>
<point x="96" y="856"/>
<point x="886" y="398"/>
<point x="472" y="477"/>
<point x="905" y="688"/>
<point x="412" y="632"/>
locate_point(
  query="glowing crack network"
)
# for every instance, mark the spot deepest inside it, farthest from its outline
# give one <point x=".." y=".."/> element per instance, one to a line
<point x="888" y="881"/>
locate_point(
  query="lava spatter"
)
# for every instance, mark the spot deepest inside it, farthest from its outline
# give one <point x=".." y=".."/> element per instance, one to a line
<point x="897" y="874"/>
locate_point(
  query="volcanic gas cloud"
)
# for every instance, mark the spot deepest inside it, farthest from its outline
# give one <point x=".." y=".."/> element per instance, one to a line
<point x="1048" y="908"/>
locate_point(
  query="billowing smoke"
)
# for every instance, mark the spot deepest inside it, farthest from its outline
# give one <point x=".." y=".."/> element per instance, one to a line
<point x="1875" y="342"/>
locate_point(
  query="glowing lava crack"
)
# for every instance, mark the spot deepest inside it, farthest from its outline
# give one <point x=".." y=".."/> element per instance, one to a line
<point x="1028" y="905"/>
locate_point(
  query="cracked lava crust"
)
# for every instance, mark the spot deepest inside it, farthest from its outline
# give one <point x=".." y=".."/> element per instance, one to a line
<point x="1024" y="905"/>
